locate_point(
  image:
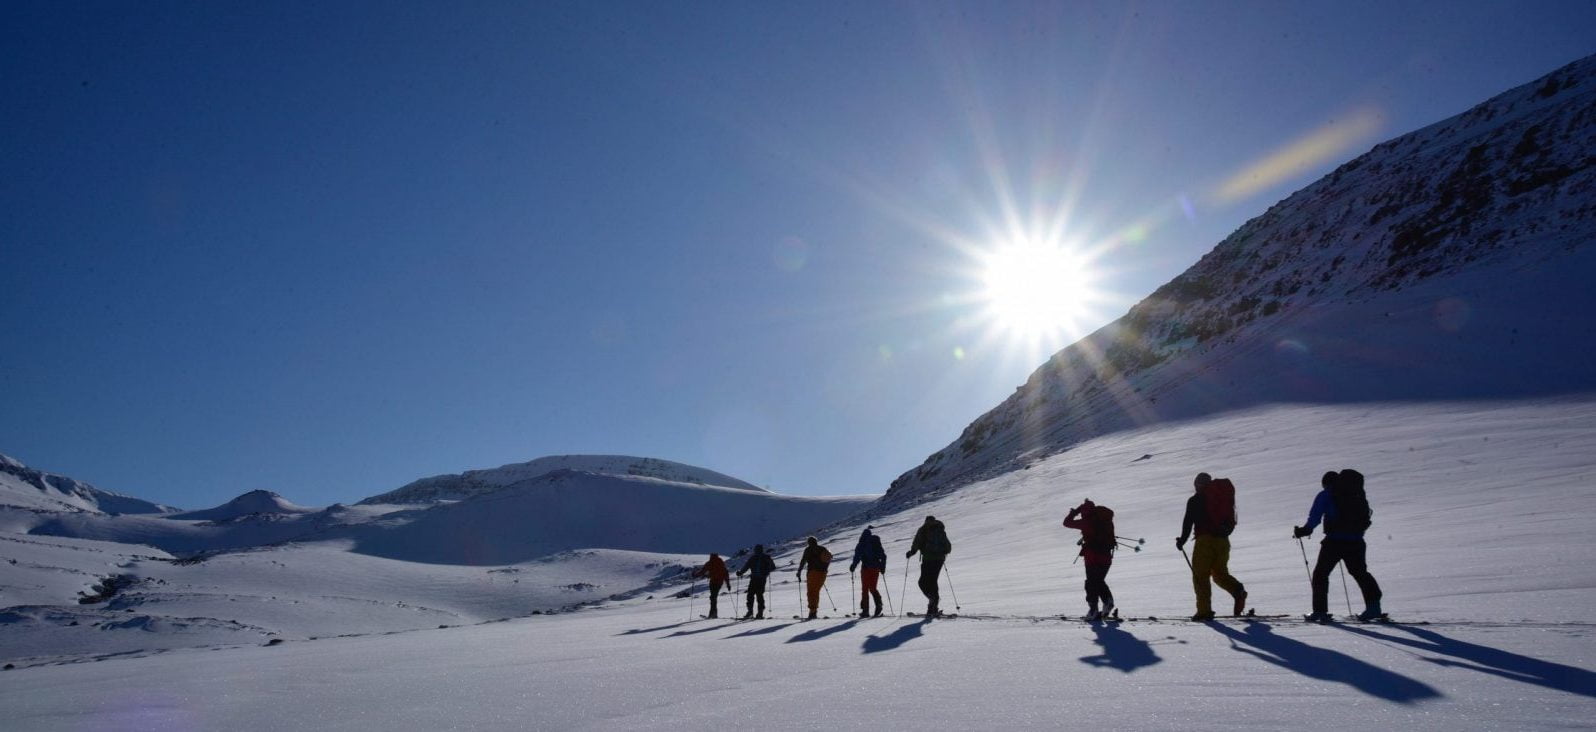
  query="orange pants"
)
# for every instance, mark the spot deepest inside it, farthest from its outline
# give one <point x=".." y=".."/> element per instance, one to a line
<point x="816" y="579"/>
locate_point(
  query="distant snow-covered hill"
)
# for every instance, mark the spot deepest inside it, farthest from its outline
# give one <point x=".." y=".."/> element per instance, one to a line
<point x="570" y="509"/>
<point x="249" y="504"/>
<point x="29" y="488"/>
<point x="1453" y="262"/>
<point x="477" y="482"/>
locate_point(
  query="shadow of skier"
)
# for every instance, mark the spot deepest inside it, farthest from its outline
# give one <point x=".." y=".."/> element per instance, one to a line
<point x="1325" y="664"/>
<point x="818" y="633"/>
<point x="1487" y="660"/>
<point x="761" y="631"/>
<point x="699" y="630"/>
<point x="636" y="631"/>
<point x="1121" y="650"/>
<point x="902" y="635"/>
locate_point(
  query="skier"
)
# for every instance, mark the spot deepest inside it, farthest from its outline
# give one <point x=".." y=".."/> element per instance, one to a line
<point x="873" y="556"/>
<point x="1345" y="509"/>
<point x="759" y="565"/>
<point x="931" y="541"/>
<point x="817" y="558"/>
<point x="715" y="570"/>
<point x="1096" y="524"/>
<point x="1212" y="512"/>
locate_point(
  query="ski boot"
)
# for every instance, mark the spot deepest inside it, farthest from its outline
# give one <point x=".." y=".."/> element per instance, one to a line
<point x="1319" y="618"/>
<point x="1203" y="616"/>
<point x="1372" y="612"/>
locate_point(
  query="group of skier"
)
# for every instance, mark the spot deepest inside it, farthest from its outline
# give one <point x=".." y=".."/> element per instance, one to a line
<point x="930" y="542"/>
<point x="1210" y="516"/>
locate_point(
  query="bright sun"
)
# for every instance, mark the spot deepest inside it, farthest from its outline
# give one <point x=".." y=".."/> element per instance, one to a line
<point x="1034" y="289"/>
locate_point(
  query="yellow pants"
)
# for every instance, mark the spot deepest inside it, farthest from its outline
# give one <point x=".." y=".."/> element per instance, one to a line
<point x="816" y="579"/>
<point x="1210" y="558"/>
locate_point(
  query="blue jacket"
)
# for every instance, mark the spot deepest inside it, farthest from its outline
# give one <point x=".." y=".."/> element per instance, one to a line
<point x="869" y="552"/>
<point x="1324" y="507"/>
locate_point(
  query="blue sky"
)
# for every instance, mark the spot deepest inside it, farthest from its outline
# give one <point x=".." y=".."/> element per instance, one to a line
<point x="328" y="248"/>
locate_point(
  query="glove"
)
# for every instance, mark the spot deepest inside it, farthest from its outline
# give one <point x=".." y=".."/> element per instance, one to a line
<point x="1297" y="532"/>
<point x="910" y="554"/>
<point x="1180" y="543"/>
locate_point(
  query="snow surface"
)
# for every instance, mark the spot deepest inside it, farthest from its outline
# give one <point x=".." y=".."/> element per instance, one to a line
<point x="1472" y="500"/>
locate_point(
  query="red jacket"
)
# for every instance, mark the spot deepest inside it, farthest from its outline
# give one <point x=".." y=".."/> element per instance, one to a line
<point x="1089" y="535"/>
<point x="715" y="569"/>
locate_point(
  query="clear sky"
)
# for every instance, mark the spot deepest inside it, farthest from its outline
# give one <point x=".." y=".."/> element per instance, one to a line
<point x="326" y="248"/>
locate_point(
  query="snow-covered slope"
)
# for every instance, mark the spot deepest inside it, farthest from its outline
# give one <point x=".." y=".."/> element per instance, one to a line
<point x="1481" y="516"/>
<point x="250" y="504"/>
<point x="1451" y="262"/>
<point x="477" y="482"/>
<point x="29" y="488"/>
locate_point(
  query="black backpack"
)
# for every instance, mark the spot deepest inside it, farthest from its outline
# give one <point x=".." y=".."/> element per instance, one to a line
<point x="936" y="541"/>
<point x="1353" y="515"/>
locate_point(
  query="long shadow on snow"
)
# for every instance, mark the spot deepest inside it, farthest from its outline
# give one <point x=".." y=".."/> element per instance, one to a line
<point x="902" y="635"/>
<point x="1323" y="663"/>
<point x="638" y="631"/>
<point x="760" y="631"/>
<point x="678" y="633"/>
<point x="1487" y="660"/>
<point x="819" y="633"/>
<point x="1121" y="650"/>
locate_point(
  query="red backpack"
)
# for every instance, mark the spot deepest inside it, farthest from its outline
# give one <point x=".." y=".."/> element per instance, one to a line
<point x="1099" y="535"/>
<point x="1220" y="497"/>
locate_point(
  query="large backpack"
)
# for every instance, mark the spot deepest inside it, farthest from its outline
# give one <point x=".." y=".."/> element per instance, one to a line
<point x="824" y="555"/>
<point x="1353" y="515"/>
<point x="1220" y="498"/>
<point x="875" y="552"/>
<point x="936" y="540"/>
<point x="1099" y="537"/>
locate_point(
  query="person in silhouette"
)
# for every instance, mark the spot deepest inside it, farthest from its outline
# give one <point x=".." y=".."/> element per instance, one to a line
<point x="873" y="556"/>
<point x="1096" y="524"/>
<point x="1344" y="507"/>
<point x="1211" y="511"/>
<point x="759" y="565"/>
<point x="818" y="559"/>
<point x="715" y="570"/>
<point x="931" y="543"/>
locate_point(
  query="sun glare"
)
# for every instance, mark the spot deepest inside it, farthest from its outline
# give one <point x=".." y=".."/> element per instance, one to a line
<point x="1035" y="289"/>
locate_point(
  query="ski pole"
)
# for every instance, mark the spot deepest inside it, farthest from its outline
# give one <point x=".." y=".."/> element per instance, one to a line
<point x="1188" y="559"/>
<point x="1305" y="562"/>
<point x="690" y="589"/>
<point x="828" y="596"/>
<point x="850" y="589"/>
<point x="1344" y="592"/>
<point x="1127" y="538"/>
<point x="951" y="591"/>
<point x="886" y="585"/>
<point x="905" y="593"/>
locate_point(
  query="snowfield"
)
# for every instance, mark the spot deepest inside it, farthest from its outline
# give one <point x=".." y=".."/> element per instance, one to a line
<point x="1481" y="533"/>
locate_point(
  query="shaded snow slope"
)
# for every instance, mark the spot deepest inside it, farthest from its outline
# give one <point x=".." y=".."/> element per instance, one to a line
<point x="251" y="503"/>
<point x="567" y="509"/>
<point x="1450" y="263"/>
<point x="30" y="488"/>
<point x="477" y="482"/>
